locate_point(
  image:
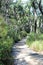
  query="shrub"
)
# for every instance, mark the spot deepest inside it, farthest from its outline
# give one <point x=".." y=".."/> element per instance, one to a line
<point x="1" y="63"/>
<point x="3" y="29"/>
<point x="6" y="42"/>
<point x="37" y="45"/>
<point x="35" y="41"/>
<point x="9" y="33"/>
<point x="5" y="48"/>
<point x="23" y="33"/>
<point x="14" y="34"/>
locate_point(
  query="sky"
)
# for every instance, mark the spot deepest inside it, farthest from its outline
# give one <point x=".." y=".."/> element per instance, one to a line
<point x="24" y="1"/>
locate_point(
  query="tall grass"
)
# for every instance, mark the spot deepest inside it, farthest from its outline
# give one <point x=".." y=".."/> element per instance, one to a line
<point x="35" y="41"/>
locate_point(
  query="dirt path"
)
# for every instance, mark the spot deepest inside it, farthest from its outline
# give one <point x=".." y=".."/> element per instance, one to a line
<point x="25" y="56"/>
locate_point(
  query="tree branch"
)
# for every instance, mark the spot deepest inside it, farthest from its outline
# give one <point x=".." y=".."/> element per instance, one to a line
<point x="40" y="7"/>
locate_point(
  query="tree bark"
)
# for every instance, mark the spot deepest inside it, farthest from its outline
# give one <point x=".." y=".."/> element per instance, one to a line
<point x="40" y="7"/>
<point x="35" y="28"/>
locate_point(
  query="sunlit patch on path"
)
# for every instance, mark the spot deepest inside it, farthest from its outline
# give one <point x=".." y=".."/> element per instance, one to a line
<point x="25" y="56"/>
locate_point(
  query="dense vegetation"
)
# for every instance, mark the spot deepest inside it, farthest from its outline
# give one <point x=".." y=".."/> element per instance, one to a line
<point x="11" y="31"/>
<point x="16" y="20"/>
<point x="35" y="41"/>
<point x="8" y="36"/>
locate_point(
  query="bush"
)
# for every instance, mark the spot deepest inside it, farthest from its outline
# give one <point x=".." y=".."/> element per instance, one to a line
<point x="35" y="41"/>
<point x="5" y="46"/>
<point x="14" y="34"/>
<point x="6" y="42"/>
<point x="1" y="63"/>
<point x="3" y="29"/>
<point x="9" y="33"/>
<point x="37" y="45"/>
<point x="27" y="27"/>
<point x="23" y="33"/>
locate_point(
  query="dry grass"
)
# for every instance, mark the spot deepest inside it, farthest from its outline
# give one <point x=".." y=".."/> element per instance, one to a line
<point x="35" y="42"/>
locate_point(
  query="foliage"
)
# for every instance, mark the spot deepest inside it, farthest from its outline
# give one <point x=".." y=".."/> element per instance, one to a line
<point x="23" y="33"/>
<point x="6" y="41"/>
<point x="35" y="41"/>
<point x="37" y="45"/>
<point x="9" y="34"/>
<point x="1" y="63"/>
<point x="15" y="21"/>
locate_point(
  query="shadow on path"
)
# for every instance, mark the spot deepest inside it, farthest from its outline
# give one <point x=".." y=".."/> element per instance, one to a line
<point x="24" y="56"/>
<point x="37" y="57"/>
<point x="21" y="62"/>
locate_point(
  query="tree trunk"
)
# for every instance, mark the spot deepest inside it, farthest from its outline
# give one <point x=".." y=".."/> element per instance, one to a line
<point x="35" y="21"/>
<point x="35" y="28"/>
<point x="30" y="26"/>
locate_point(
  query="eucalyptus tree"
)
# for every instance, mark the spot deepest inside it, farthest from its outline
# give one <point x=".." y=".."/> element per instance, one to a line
<point x="37" y="11"/>
<point x="19" y="14"/>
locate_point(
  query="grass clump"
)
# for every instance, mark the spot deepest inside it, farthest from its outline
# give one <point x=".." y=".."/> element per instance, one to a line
<point x="37" y="45"/>
<point x="35" y="41"/>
